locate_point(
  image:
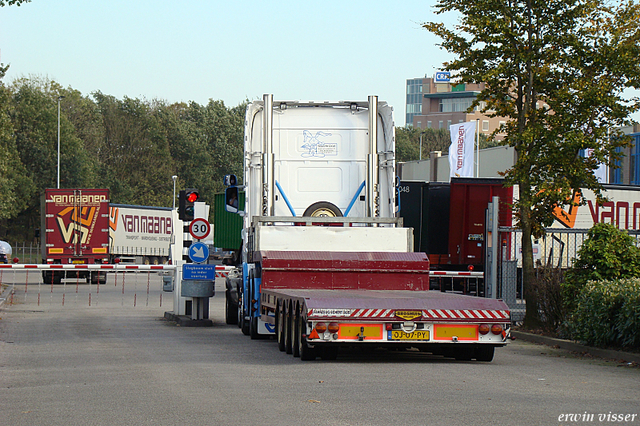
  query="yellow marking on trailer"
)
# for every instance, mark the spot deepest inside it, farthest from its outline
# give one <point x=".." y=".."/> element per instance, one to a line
<point x="352" y="331"/>
<point x="461" y="331"/>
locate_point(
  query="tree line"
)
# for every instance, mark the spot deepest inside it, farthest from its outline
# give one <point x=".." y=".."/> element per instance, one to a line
<point x="131" y="146"/>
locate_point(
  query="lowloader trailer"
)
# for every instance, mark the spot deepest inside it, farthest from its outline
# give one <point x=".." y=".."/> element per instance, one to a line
<point x="326" y="262"/>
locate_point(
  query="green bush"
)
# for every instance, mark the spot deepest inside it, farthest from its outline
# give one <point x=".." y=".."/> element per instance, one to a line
<point x="606" y="254"/>
<point x="607" y="314"/>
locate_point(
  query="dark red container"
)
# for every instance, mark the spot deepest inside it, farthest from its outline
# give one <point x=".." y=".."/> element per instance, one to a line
<point x="468" y="204"/>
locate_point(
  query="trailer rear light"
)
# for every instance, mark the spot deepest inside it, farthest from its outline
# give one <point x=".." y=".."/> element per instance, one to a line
<point x="333" y="327"/>
<point x="496" y="329"/>
<point x="321" y="327"/>
<point x="484" y="329"/>
<point x="388" y="326"/>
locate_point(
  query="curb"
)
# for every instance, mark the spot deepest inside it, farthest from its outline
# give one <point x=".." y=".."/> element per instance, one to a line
<point x="577" y="347"/>
<point x="186" y="321"/>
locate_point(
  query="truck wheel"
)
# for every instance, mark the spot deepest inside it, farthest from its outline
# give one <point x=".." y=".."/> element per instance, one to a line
<point x="253" y="328"/>
<point x="322" y="209"/>
<point x="463" y="353"/>
<point x="287" y="331"/>
<point x="484" y="353"/>
<point x="253" y="320"/>
<point x="242" y="323"/>
<point x="280" y="328"/>
<point x="306" y="353"/>
<point x="230" y="310"/>
<point x="295" y="333"/>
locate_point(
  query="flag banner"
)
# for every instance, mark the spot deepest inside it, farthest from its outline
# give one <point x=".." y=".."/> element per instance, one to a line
<point x="461" y="149"/>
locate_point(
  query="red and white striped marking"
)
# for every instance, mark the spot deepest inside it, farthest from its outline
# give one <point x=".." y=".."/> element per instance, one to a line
<point x="430" y="314"/>
<point x="221" y="271"/>
<point x="466" y="314"/>
<point x="373" y="313"/>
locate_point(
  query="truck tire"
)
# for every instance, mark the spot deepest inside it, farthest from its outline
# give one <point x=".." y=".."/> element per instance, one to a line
<point x="463" y="353"/>
<point x="484" y="353"/>
<point x="287" y="331"/>
<point x="306" y="353"/>
<point x="295" y="333"/>
<point x="242" y="323"/>
<point x="280" y="321"/>
<point x="322" y="209"/>
<point x="253" y="321"/>
<point x="230" y="310"/>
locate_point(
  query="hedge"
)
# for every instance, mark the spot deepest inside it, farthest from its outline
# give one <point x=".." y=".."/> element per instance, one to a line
<point x="608" y="314"/>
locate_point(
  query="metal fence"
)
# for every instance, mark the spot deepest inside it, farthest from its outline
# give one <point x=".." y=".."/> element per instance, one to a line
<point x="25" y="252"/>
<point x="558" y="248"/>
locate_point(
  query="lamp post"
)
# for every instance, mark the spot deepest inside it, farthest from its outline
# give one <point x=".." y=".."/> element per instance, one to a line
<point x="59" y="98"/>
<point x="174" y="177"/>
<point x="421" y="133"/>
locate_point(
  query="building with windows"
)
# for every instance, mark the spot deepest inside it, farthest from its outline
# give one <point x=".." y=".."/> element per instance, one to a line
<point x="628" y="171"/>
<point x="438" y="105"/>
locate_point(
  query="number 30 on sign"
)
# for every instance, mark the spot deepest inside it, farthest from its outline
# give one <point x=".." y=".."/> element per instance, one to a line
<point x="199" y="228"/>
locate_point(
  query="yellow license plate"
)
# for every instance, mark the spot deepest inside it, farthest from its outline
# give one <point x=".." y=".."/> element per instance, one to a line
<point x="78" y="261"/>
<point x="448" y="331"/>
<point x="401" y="335"/>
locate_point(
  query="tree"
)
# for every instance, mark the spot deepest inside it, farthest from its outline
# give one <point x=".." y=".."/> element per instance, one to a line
<point x="557" y="70"/>
<point x="12" y="2"/>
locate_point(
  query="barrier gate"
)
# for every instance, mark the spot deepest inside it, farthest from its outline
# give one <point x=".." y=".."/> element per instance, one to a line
<point x="134" y="285"/>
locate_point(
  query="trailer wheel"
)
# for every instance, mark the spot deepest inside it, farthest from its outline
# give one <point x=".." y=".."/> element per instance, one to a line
<point x="295" y="332"/>
<point x="463" y="353"/>
<point x="322" y="209"/>
<point x="280" y="327"/>
<point x="253" y="320"/>
<point x="484" y="353"/>
<point x="242" y="323"/>
<point x="306" y="353"/>
<point x="287" y="331"/>
<point x="230" y="310"/>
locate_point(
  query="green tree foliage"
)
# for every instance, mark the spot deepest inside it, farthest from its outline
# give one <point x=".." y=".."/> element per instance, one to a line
<point x="15" y="186"/>
<point x="606" y="254"/>
<point x="12" y="2"/>
<point x="408" y="142"/>
<point x="557" y="70"/>
<point x="131" y="146"/>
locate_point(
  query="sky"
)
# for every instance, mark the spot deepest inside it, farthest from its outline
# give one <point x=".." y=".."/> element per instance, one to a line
<point x="196" y="50"/>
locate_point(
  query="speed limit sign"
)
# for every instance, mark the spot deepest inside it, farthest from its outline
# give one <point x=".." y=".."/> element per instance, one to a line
<point x="199" y="228"/>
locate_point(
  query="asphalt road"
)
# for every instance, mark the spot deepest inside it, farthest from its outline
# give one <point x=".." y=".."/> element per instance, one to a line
<point x="113" y="363"/>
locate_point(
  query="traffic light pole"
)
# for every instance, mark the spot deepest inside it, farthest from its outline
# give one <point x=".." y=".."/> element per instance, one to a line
<point x="192" y="309"/>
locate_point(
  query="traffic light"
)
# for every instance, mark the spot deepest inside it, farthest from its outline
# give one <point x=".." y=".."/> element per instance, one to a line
<point x="186" y="198"/>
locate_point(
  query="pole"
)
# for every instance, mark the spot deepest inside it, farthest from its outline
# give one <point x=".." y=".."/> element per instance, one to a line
<point x="477" y="147"/>
<point x="59" y="97"/>
<point x="174" y="177"/>
<point x="421" y="133"/>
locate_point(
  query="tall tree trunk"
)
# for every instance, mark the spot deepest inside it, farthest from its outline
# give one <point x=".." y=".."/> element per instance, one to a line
<point x="532" y="315"/>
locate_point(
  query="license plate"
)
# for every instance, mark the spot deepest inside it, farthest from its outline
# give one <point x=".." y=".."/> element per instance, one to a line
<point x="401" y="335"/>
<point x="78" y="262"/>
